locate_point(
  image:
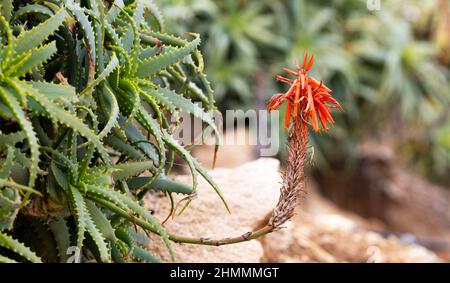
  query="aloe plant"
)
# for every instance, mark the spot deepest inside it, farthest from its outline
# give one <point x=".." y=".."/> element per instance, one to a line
<point x="86" y="92"/>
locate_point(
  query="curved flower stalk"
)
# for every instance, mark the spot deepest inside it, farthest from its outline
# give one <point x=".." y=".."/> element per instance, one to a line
<point x="306" y="100"/>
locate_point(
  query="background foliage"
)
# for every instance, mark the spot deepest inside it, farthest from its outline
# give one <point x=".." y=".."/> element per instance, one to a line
<point x="388" y="68"/>
<point x="86" y="89"/>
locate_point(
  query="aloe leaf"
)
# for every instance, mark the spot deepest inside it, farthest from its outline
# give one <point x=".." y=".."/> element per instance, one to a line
<point x="191" y="87"/>
<point x="62" y="159"/>
<point x="38" y="57"/>
<point x="163" y="184"/>
<point x="113" y="112"/>
<point x="138" y="236"/>
<point x="7" y="165"/>
<point x="97" y="8"/>
<point x="188" y="106"/>
<point x="101" y="221"/>
<point x="175" y="145"/>
<point x="136" y="138"/>
<point x="167" y="39"/>
<point x="149" y="92"/>
<point x="6" y="183"/>
<point x="86" y="224"/>
<point x="114" y="11"/>
<point x="209" y="90"/>
<point x="6" y="8"/>
<point x="124" y="148"/>
<point x="111" y="32"/>
<point x="5" y="53"/>
<point x="148" y="52"/>
<point x="11" y="139"/>
<point x="79" y="211"/>
<point x="153" y="128"/>
<point x="132" y="100"/>
<point x="10" y="100"/>
<point x="30" y="39"/>
<point x="116" y="253"/>
<point x="5" y="112"/>
<point x="106" y="72"/>
<point x="127" y="170"/>
<point x="52" y="91"/>
<point x="138" y="14"/>
<point x="9" y="207"/>
<point x="130" y="36"/>
<point x="211" y="182"/>
<point x="124" y="202"/>
<point x="106" y="201"/>
<point x="40" y="132"/>
<point x="22" y="162"/>
<point x="33" y="9"/>
<point x="158" y="63"/>
<point x="61" y="234"/>
<point x="150" y="6"/>
<point x="86" y="26"/>
<point x="4" y="259"/>
<point x="123" y="234"/>
<point x="145" y="255"/>
<point x="193" y="164"/>
<point x="68" y="119"/>
<point x="99" y="240"/>
<point x="12" y="244"/>
<point x="16" y="63"/>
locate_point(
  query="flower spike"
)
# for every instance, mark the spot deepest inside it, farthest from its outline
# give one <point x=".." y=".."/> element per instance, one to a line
<point x="306" y="98"/>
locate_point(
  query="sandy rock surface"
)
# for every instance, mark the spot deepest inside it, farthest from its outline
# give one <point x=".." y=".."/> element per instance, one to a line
<point x="251" y="192"/>
<point x="320" y="232"/>
<point x="229" y="155"/>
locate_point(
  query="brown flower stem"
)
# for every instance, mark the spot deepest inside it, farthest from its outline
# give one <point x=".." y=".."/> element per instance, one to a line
<point x="293" y="177"/>
<point x="187" y="240"/>
<point x="293" y="185"/>
<point x="226" y="241"/>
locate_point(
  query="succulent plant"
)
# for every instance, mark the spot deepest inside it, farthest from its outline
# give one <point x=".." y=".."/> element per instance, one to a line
<point x="86" y="92"/>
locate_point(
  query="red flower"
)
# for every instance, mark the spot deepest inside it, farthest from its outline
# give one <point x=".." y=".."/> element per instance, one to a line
<point x="307" y="98"/>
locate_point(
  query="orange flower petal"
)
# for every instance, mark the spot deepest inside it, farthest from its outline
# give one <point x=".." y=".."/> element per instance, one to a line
<point x="288" y="115"/>
<point x="309" y="98"/>
<point x="304" y="60"/>
<point x="290" y="72"/>
<point x="311" y="62"/>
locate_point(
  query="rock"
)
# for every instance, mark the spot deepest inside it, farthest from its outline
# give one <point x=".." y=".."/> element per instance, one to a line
<point x="334" y="236"/>
<point x="320" y="232"/>
<point x="251" y="192"/>
<point x="229" y="155"/>
<point x="381" y="187"/>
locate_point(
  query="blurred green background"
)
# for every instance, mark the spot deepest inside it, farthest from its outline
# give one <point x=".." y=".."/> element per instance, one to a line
<point x="389" y="68"/>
